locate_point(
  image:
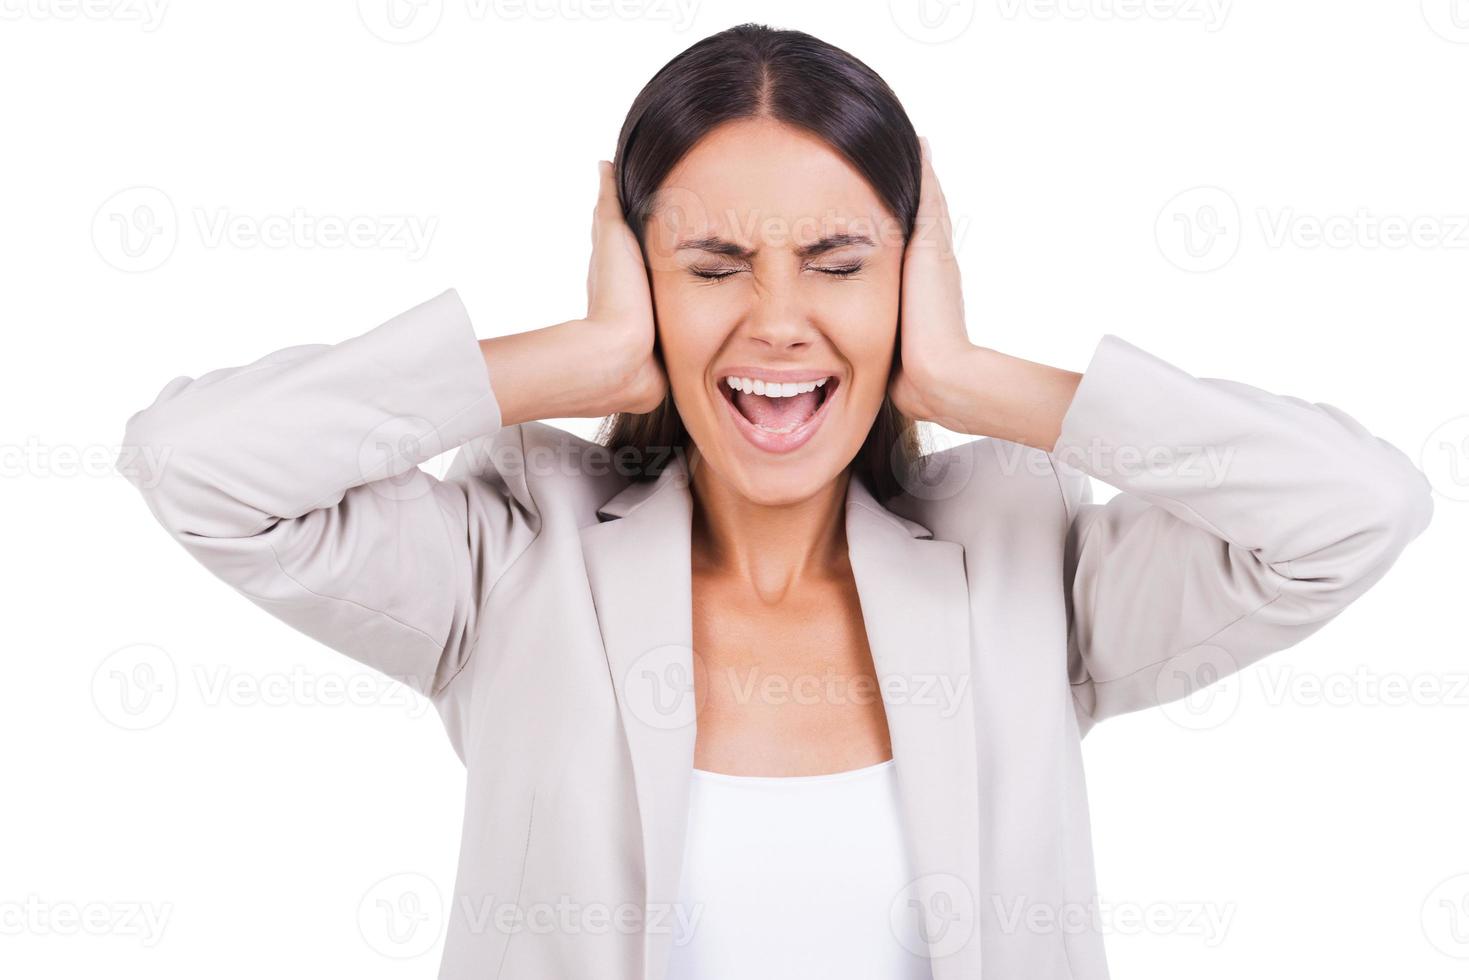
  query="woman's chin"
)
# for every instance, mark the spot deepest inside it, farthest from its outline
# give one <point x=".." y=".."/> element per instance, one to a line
<point x="780" y="481"/>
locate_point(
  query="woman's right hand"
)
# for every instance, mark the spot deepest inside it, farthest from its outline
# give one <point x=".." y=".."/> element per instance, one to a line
<point x="601" y="364"/>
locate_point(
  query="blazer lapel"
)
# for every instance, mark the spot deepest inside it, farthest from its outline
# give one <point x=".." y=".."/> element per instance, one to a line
<point x="915" y="609"/>
<point x="638" y="566"/>
<point x="915" y="606"/>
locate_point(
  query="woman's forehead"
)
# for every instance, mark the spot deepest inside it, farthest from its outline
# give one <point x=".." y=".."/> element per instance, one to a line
<point x="757" y="181"/>
<point x="682" y="220"/>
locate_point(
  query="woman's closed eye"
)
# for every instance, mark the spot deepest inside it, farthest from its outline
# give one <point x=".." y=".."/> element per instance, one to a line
<point x="840" y="271"/>
<point x="712" y="274"/>
<point x="844" y="271"/>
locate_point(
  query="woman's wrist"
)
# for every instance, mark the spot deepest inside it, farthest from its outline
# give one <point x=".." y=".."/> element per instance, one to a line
<point x="980" y="391"/>
<point x="574" y="369"/>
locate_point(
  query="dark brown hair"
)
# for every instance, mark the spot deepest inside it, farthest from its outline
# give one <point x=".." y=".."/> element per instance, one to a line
<point x="752" y="71"/>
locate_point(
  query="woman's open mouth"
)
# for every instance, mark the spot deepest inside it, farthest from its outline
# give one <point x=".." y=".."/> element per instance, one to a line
<point x="777" y="411"/>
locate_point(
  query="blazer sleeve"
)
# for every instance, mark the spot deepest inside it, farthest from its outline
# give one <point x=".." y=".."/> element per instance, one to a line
<point x="1245" y="521"/>
<point x="296" y="480"/>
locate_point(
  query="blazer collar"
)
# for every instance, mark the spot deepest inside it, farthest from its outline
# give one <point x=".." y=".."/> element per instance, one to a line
<point x="914" y="597"/>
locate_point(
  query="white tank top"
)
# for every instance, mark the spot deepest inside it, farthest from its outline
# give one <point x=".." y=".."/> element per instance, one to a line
<point x="788" y="877"/>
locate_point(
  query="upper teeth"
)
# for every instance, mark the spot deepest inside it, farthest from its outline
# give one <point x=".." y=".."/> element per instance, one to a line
<point x="773" y="389"/>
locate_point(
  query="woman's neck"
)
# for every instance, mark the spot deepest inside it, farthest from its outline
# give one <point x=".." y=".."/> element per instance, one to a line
<point x="772" y="548"/>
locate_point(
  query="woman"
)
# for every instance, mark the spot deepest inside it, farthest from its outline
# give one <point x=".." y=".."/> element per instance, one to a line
<point x="750" y="687"/>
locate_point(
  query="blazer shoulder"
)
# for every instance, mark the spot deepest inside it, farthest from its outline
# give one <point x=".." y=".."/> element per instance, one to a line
<point x="954" y="491"/>
<point x="544" y="469"/>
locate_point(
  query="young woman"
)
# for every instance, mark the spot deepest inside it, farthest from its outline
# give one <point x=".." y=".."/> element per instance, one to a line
<point x="751" y="686"/>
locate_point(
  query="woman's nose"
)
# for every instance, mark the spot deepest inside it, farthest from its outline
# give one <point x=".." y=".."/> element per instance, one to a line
<point x="780" y="321"/>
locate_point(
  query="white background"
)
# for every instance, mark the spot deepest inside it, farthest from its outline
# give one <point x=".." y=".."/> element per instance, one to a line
<point x="1312" y="807"/>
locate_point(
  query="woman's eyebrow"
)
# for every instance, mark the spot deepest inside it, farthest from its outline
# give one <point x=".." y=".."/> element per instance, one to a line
<point x="721" y="246"/>
<point x="831" y="243"/>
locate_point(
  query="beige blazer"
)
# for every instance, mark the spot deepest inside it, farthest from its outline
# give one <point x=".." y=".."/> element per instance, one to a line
<point x="542" y="601"/>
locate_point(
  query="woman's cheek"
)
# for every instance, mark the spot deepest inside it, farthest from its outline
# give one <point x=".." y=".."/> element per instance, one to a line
<point x="690" y="342"/>
<point x="672" y="313"/>
<point x="868" y="332"/>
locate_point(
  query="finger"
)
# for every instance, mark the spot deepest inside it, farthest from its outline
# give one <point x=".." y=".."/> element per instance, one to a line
<point x="934" y="204"/>
<point x="599" y="222"/>
<point x="932" y="227"/>
<point x="609" y="208"/>
<point x="931" y="192"/>
<point x="609" y="226"/>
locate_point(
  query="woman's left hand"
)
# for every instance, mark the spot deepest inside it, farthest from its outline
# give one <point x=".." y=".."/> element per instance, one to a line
<point x="938" y="375"/>
<point x="933" y="344"/>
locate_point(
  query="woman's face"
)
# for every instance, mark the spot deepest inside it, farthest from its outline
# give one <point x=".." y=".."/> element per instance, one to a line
<point x="775" y="264"/>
